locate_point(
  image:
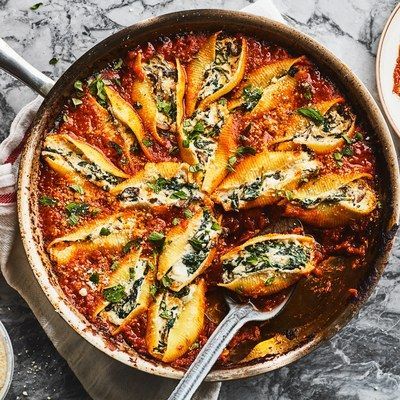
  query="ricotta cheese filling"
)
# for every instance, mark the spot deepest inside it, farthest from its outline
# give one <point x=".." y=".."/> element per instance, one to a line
<point x="283" y="255"/>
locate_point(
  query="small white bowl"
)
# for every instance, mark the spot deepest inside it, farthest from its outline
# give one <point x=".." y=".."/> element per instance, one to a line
<point x="9" y="360"/>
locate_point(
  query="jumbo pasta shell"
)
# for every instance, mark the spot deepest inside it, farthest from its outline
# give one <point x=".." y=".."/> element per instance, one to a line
<point x="65" y="153"/>
<point x="275" y="95"/>
<point x="278" y="344"/>
<point x="323" y="138"/>
<point x="122" y="228"/>
<point x="233" y="81"/>
<point x="159" y="184"/>
<point x="333" y="200"/>
<point x="217" y="167"/>
<point x="188" y="250"/>
<point x="175" y="322"/>
<point x="195" y="72"/>
<point x="134" y="277"/>
<point x="268" y="264"/>
<point x="263" y="179"/>
<point x="124" y="112"/>
<point x="261" y="78"/>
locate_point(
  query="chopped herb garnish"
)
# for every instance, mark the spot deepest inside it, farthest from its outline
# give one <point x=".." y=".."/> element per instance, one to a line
<point x="95" y="278"/>
<point x="359" y="136"/>
<point x="118" y="64"/>
<point x="347" y="151"/>
<point x="75" y="210"/>
<point x="176" y="221"/>
<point x="114" y="294"/>
<point x="164" y="106"/>
<point x="180" y="194"/>
<point x="346" y="138"/>
<point x="53" y="61"/>
<point x="114" y="265"/>
<point x="94" y="211"/>
<point x="166" y="281"/>
<point x="245" y="150"/>
<point x="77" y="189"/>
<point x="312" y="114"/>
<point x="76" y="102"/>
<point x="147" y="142"/>
<point x="36" y="6"/>
<point x="185" y="143"/>
<point x="47" y="201"/>
<point x="187" y="214"/>
<point x="153" y="290"/>
<point x="78" y="85"/>
<point x="116" y="147"/>
<point x="156" y="236"/>
<point x="269" y="281"/>
<point x="104" y="231"/>
<point x="337" y="156"/>
<point x="215" y="226"/>
<point x="231" y="162"/>
<point x="132" y="243"/>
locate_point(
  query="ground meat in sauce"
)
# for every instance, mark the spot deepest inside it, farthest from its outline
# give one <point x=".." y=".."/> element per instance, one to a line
<point x="352" y="240"/>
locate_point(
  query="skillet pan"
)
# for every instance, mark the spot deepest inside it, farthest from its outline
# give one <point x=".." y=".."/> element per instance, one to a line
<point x="319" y="317"/>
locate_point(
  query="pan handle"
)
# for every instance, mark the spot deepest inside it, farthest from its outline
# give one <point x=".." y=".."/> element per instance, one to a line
<point x="13" y="63"/>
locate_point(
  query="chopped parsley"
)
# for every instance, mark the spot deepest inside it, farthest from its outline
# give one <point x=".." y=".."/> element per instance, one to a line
<point x="77" y="189"/>
<point x="231" y="162"/>
<point x="53" y="61"/>
<point x="187" y="214"/>
<point x="176" y="221"/>
<point x="311" y="113"/>
<point x="76" y="102"/>
<point x="47" y="201"/>
<point x="78" y="86"/>
<point x="94" y="278"/>
<point x="76" y="210"/>
<point x="105" y="231"/>
<point x="147" y="142"/>
<point x="114" y="294"/>
<point x="242" y="150"/>
<point x="156" y="236"/>
<point x="118" y="64"/>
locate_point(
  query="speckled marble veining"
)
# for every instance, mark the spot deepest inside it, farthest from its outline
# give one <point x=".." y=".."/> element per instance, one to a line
<point x="363" y="361"/>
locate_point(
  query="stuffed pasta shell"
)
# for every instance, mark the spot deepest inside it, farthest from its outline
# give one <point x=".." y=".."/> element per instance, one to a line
<point x="323" y="127"/>
<point x="112" y="232"/>
<point x="69" y="155"/>
<point x="159" y="184"/>
<point x="218" y="67"/>
<point x="159" y="90"/>
<point x="175" y="321"/>
<point x="188" y="250"/>
<point x="264" y="179"/>
<point x="333" y="199"/>
<point x="127" y="293"/>
<point x="267" y="264"/>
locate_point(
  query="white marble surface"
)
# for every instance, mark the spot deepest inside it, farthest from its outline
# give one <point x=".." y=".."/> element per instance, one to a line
<point x="363" y="361"/>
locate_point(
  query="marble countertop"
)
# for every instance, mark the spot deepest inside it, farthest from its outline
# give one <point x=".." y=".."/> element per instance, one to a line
<point x="363" y="361"/>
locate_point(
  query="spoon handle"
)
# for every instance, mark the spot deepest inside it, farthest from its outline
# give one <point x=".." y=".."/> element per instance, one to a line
<point x="209" y="354"/>
<point x="13" y="63"/>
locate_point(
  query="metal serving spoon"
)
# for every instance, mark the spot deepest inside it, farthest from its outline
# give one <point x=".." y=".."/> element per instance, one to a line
<point x="238" y="315"/>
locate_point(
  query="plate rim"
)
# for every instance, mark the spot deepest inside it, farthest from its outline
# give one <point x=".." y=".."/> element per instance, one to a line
<point x="385" y="108"/>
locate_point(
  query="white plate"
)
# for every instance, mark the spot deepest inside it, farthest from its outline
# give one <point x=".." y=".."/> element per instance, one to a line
<point x="388" y="51"/>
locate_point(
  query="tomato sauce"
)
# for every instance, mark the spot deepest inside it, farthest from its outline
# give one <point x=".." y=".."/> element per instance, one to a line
<point x="396" y="76"/>
<point x="87" y="122"/>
